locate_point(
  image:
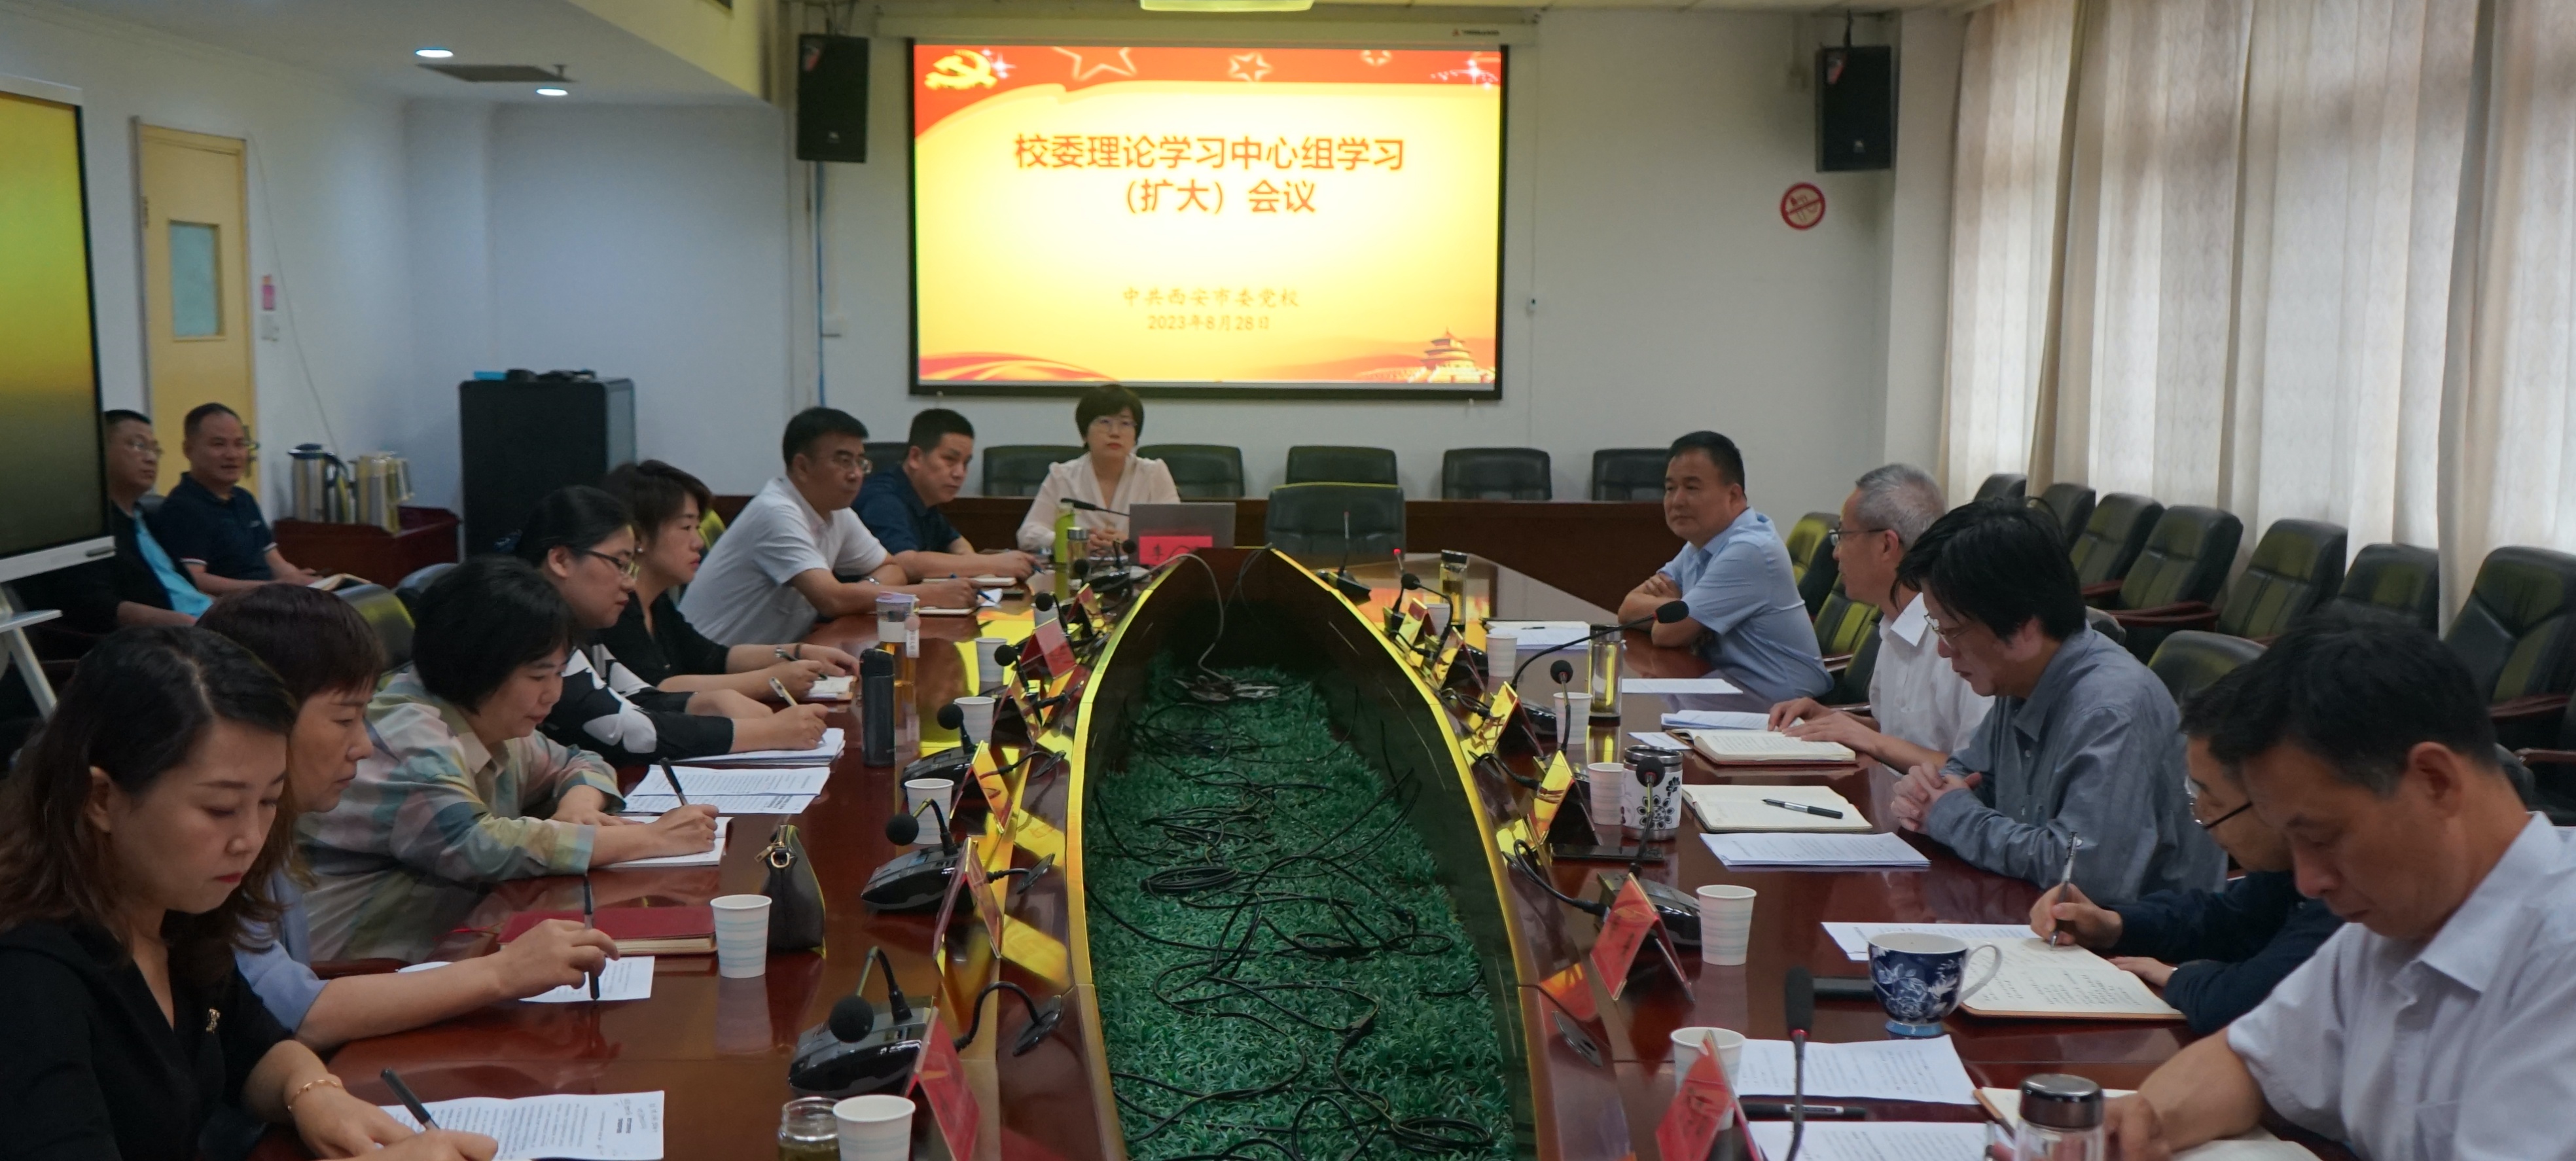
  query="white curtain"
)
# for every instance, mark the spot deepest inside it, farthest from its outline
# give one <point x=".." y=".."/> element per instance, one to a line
<point x="2151" y="246"/>
<point x="2003" y="225"/>
<point x="2517" y="478"/>
<point x="2356" y="125"/>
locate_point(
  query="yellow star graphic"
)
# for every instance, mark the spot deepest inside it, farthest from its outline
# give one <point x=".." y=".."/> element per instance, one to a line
<point x="1247" y="67"/>
<point x="1085" y="70"/>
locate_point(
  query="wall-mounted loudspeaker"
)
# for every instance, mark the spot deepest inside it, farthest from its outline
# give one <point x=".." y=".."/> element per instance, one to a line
<point x="831" y="98"/>
<point x="1855" y="108"/>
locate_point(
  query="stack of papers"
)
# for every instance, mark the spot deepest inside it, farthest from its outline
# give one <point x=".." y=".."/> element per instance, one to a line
<point x="829" y="749"/>
<point x="627" y="978"/>
<point x="1762" y="747"/>
<point x="758" y="790"/>
<point x="1875" y="1140"/>
<point x="617" y="1127"/>
<point x="1890" y="1070"/>
<point x="1539" y="635"/>
<point x="1659" y="740"/>
<point x="2257" y="1144"/>
<point x="1716" y="720"/>
<point x="1815" y="850"/>
<point x="1678" y="685"/>
<point x="1725" y="806"/>
<point x="711" y="857"/>
<point x="830" y="689"/>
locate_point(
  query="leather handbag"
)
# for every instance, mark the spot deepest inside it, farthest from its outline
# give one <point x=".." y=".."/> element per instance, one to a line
<point x="795" y="895"/>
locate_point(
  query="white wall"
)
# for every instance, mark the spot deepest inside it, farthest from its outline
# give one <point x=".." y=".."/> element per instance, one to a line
<point x="326" y="220"/>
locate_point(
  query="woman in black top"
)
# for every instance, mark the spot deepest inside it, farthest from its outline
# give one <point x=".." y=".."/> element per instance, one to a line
<point x="135" y="839"/>
<point x="583" y="541"/>
<point x="652" y="638"/>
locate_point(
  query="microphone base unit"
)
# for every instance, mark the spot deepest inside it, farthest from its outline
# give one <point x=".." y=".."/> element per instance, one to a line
<point x="881" y="1061"/>
<point x="911" y="882"/>
<point x="1680" y="911"/>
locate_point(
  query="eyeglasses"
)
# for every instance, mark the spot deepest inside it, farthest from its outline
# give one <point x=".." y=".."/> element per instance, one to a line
<point x="1949" y="633"/>
<point x="630" y="566"/>
<point x="2191" y="795"/>
<point x="1124" y="423"/>
<point x="142" y="446"/>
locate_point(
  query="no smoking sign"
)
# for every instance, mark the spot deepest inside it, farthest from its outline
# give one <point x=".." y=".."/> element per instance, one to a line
<point x="1803" y="206"/>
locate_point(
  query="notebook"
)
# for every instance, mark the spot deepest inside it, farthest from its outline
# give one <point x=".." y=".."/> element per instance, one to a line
<point x="1764" y="748"/>
<point x="2257" y="1144"/>
<point x="1725" y="807"/>
<point x="637" y="930"/>
<point x="2062" y="983"/>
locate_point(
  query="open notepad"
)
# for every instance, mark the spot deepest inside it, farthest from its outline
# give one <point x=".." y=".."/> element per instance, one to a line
<point x="623" y="1126"/>
<point x="1764" y="748"/>
<point x="1875" y="1140"/>
<point x="1724" y="806"/>
<point x="1796" y="849"/>
<point x="2034" y="979"/>
<point x="824" y="751"/>
<point x="713" y="856"/>
<point x="2256" y="1145"/>
<point x="753" y="790"/>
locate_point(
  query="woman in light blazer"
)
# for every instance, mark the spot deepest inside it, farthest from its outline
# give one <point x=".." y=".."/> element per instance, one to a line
<point x="1108" y="473"/>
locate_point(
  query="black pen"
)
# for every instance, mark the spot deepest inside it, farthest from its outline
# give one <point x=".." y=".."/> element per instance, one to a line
<point x="674" y="776"/>
<point x="1829" y="1112"/>
<point x="402" y="1092"/>
<point x="1803" y="808"/>
<point x="587" y="920"/>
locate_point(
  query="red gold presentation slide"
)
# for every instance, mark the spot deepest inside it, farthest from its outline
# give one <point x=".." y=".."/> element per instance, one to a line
<point x="1280" y="218"/>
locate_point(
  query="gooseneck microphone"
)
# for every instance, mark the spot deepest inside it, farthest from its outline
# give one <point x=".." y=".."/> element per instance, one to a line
<point x="913" y="880"/>
<point x="1560" y="671"/>
<point x="1668" y="613"/>
<point x="861" y="1047"/>
<point x="1798" y="1001"/>
<point x="903" y="829"/>
<point x="1088" y="506"/>
<point x="853" y="1017"/>
<point x="1043" y="1018"/>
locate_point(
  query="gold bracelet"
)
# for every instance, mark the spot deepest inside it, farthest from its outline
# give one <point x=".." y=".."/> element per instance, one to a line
<point x="307" y="1086"/>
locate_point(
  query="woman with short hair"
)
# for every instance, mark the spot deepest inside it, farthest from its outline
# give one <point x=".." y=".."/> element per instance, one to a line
<point x="1107" y="473"/>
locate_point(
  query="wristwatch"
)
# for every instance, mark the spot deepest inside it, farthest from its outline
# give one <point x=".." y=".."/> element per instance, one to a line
<point x="781" y="651"/>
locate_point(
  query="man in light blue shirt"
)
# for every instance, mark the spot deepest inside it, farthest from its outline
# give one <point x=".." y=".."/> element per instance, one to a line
<point x="1745" y="614"/>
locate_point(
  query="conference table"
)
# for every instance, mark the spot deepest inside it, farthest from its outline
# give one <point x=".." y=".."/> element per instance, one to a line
<point x="719" y="1048"/>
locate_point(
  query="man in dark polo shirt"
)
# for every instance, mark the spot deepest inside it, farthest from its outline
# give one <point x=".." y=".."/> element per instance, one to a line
<point x="212" y="524"/>
<point x="901" y="507"/>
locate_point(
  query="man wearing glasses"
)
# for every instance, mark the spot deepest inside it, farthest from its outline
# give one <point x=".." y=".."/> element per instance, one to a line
<point x="2080" y="762"/>
<point x="797" y="552"/>
<point x="210" y="522"/>
<point x="2215" y="954"/>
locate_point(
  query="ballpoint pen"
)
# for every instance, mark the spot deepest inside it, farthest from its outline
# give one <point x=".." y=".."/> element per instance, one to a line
<point x="588" y="918"/>
<point x="781" y="691"/>
<point x="674" y="777"/>
<point x="402" y="1092"/>
<point x="1803" y="808"/>
<point x="2065" y="878"/>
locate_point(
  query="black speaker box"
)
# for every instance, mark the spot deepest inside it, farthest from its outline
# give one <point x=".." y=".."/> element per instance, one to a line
<point x="524" y="439"/>
<point x="1855" y="108"/>
<point x="831" y="98"/>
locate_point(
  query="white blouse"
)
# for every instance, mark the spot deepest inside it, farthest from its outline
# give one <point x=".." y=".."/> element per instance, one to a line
<point x="1144" y="482"/>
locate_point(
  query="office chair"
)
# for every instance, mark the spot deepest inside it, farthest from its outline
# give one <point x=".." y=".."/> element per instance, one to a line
<point x="1322" y="464"/>
<point x="1201" y="471"/>
<point x="1496" y="473"/>
<point x="385" y="613"/>
<point x="1628" y="473"/>
<point x="886" y="455"/>
<point x="1020" y="469"/>
<point x="2177" y="574"/>
<point x="2296" y="567"/>
<point x="2002" y="486"/>
<point x="2107" y="625"/>
<point x="2400" y="579"/>
<point x="2190" y="660"/>
<point x="2514" y="633"/>
<point x="1811" y="557"/>
<point x="409" y="589"/>
<point x="1324" y="525"/>
<point x="2550" y="774"/>
<point x="2071" y="504"/>
<point x="2110" y="541"/>
<point x="1847" y="638"/>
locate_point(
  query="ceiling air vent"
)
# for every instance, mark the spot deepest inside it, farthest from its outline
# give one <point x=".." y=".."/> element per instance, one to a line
<point x="491" y="74"/>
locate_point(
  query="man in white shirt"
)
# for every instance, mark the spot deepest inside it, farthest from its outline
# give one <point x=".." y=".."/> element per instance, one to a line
<point x="778" y="566"/>
<point x="1920" y="709"/>
<point x="2440" y="1023"/>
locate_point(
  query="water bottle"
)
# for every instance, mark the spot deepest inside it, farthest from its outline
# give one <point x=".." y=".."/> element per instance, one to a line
<point x="1659" y="775"/>
<point x="2061" y="1120"/>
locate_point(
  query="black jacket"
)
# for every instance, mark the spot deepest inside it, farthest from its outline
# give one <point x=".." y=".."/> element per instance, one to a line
<point x="2228" y="947"/>
<point x="609" y="711"/>
<point x="672" y="646"/>
<point x="88" y="593"/>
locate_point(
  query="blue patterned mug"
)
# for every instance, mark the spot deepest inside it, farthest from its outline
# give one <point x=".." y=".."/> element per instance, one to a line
<point x="1917" y="974"/>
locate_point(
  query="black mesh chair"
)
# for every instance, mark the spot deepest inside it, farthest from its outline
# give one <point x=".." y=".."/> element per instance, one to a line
<point x="1322" y="464"/>
<point x="1628" y="473"/>
<point x="384" y="612"/>
<point x="2189" y="661"/>
<point x="1020" y="469"/>
<point x="2516" y="632"/>
<point x="2110" y="541"/>
<point x="2401" y="579"/>
<point x="1201" y="471"/>
<point x="1326" y="525"/>
<point x="409" y="589"/>
<point x="2071" y="504"/>
<point x="2178" y="572"/>
<point x="1496" y="473"/>
<point x="2003" y="486"/>
<point x="886" y="455"/>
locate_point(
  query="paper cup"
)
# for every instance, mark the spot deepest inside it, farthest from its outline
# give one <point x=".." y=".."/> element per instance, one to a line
<point x="1502" y="652"/>
<point x="978" y="712"/>
<point x="921" y="790"/>
<point x="1439" y="612"/>
<point x="1567" y="706"/>
<point x="1608" y="801"/>
<point x="1689" y="1043"/>
<point x="988" y="671"/>
<point x="1725" y="924"/>
<point x="742" y="935"/>
<point x="875" y="1127"/>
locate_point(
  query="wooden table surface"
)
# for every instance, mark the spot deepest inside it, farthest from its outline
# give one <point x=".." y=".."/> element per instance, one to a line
<point x="720" y="1048"/>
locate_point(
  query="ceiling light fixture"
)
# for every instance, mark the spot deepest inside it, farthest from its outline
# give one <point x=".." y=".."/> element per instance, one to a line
<point x="551" y="91"/>
<point x="433" y="53"/>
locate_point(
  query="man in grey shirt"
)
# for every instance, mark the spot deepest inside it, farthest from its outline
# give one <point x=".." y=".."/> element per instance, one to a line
<point x="2083" y="747"/>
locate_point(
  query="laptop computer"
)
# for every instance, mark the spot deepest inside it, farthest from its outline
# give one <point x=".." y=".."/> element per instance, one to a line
<point x="1164" y="531"/>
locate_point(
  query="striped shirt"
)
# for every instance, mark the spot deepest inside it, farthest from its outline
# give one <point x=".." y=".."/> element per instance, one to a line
<point x="434" y="819"/>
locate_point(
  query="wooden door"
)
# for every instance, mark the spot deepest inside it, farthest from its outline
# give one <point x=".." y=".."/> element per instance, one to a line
<point x="196" y="281"/>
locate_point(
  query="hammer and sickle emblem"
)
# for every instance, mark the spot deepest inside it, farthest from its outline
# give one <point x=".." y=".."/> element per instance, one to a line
<point x="962" y="69"/>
